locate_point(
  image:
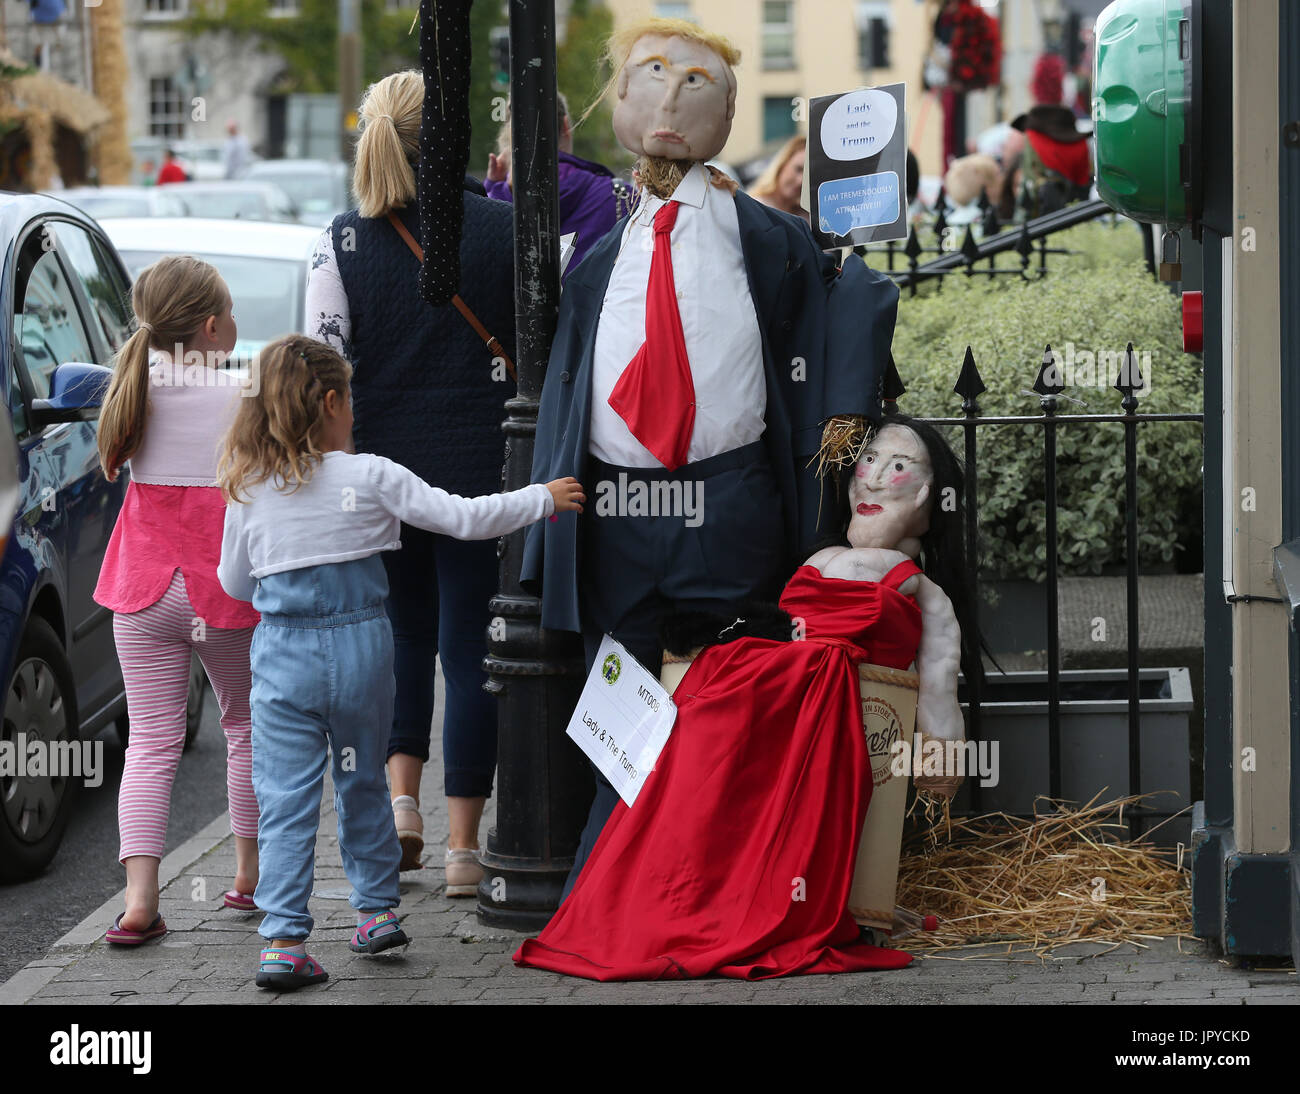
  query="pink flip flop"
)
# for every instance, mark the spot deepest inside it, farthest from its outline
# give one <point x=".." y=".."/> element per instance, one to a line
<point x="118" y="935"/>
<point x="241" y="902"/>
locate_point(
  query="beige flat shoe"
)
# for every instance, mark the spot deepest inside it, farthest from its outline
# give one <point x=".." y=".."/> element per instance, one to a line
<point x="410" y="834"/>
<point x="463" y="872"/>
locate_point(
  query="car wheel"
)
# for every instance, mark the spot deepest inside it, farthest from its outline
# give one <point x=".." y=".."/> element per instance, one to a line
<point x="40" y="705"/>
<point x="193" y="707"/>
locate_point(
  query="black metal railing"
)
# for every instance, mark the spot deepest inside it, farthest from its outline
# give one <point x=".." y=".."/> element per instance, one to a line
<point x="1029" y="239"/>
<point x="1048" y="386"/>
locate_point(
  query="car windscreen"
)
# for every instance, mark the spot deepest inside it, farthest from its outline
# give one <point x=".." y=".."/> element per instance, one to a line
<point x="267" y="292"/>
<point x="227" y="204"/>
<point x="311" y="193"/>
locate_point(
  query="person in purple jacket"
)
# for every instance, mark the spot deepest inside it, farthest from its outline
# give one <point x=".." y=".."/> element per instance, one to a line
<point x="591" y="198"/>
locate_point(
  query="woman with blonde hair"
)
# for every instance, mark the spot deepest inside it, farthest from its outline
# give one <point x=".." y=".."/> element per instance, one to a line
<point x="430" y="396"/>
<point x="167" y="408"/>
<point x="781" y="183"/>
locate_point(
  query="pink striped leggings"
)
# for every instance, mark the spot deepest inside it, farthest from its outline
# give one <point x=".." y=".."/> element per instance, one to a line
<point x="153" y="647"/>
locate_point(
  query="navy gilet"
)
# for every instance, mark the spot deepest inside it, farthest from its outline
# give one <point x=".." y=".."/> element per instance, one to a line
<point x="422" y="383"/>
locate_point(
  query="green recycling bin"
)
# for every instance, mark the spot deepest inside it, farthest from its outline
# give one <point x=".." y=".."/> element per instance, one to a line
<point x="1146" y="109"/>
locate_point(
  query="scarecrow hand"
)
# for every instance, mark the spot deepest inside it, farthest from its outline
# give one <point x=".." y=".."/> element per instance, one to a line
<point x="940" y="786"/>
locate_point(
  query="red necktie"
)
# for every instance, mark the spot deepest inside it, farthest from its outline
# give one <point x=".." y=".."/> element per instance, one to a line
<point x="655" y="396"/>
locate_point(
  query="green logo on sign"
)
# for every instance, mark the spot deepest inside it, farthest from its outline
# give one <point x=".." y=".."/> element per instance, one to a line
<point x="611" y="668"/>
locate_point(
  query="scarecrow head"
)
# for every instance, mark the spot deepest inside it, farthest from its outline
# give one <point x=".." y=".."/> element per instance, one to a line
<point x="676" y="89"/>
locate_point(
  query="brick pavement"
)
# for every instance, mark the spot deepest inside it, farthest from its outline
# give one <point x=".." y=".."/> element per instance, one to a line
<point x="210" y="955"/>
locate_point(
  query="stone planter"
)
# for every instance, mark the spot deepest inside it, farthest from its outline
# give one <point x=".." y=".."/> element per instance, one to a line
<point x="1094" y="741"/>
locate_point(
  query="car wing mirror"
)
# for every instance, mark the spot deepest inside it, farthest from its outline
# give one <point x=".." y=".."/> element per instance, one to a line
<point x="77" y="391"/>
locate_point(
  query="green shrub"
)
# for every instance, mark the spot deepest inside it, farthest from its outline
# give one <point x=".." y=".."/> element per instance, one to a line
<point x="1080" y="310"/>
<point x="1107" y="241"/>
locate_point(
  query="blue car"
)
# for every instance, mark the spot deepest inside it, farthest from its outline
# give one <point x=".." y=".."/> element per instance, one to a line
<point x="65" y="295"/>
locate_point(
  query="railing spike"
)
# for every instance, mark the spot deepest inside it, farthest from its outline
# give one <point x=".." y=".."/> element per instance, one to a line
<point x="969" y="385"/>
<point x="991" y="224"/>
<point x="1129" y="379"/>
<point x="1025" y="245"/>
<point x="913" y="246"/>
<point x="969" y="248"/>
<point x="1049" y="380"/>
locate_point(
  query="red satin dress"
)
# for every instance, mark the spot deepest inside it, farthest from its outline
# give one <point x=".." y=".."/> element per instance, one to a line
<point x="739" y="853"/>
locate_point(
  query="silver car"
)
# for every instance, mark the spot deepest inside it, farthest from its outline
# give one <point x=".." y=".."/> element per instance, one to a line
<point x="318" y="188"/>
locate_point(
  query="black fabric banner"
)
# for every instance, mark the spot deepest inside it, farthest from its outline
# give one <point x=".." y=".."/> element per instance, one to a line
<point x="444" y="143"/>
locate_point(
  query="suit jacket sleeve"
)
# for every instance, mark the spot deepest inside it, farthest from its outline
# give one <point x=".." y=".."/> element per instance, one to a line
<point x="861" y="309"/>
<point x="553" y="422"/>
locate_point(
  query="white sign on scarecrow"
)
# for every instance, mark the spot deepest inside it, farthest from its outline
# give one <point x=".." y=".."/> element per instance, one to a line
<point x="622" y="719"/>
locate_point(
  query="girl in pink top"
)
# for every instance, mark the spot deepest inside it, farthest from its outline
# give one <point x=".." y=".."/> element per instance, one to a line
<point x="166" y="413"/>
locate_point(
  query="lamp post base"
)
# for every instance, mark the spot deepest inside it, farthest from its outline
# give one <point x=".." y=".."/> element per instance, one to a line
<point x="519" y="894"/>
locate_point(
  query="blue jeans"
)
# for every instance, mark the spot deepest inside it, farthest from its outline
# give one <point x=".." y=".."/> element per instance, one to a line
<point x="439" y="588"/>
<point x="322" y="661"/>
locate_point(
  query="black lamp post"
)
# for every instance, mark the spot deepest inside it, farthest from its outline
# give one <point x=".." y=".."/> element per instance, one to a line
<point x="543" y="786"/>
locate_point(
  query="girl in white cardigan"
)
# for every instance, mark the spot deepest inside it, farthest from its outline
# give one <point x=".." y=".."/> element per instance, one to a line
<point x="306" y="523"/>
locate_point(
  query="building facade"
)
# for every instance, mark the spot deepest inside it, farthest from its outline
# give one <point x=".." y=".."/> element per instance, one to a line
<point x="797" y="49"/>
<point x="178" y="87"/>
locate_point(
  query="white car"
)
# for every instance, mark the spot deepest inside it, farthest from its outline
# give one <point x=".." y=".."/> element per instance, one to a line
<point x="123" y="201"/>
<point x="264" y="264"/>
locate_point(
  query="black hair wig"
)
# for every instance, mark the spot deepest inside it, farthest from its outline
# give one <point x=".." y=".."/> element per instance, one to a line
<point x="943" y="547"/>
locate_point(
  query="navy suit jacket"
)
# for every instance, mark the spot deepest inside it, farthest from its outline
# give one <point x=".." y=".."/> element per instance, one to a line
<point x="826" y="335"/>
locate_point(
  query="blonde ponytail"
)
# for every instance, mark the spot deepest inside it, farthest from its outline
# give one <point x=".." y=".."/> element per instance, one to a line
<point x="171" y="299"/>
<point x="384" y="178"/>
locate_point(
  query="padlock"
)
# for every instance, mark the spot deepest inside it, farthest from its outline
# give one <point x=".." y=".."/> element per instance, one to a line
<point x="1171" y="269"/>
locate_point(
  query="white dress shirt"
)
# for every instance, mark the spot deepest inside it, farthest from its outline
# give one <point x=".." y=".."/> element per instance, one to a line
<point x="723" y="343"/>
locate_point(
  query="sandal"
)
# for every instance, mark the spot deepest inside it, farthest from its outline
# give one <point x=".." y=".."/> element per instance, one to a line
<point x="287" y="971"/>
<point x="241" y="902"/>
<point x="378" y="933"/>
<point x="118" y="935"/>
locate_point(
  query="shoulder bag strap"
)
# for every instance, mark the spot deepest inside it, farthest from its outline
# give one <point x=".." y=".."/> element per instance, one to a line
<point x="494" y="347"/>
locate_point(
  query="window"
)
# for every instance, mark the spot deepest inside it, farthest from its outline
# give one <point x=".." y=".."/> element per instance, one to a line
<point x="674" y="9"/>
<point x="166" y="109"/>
<point x="267" y="293"/>
<point x="106" y="290"/>
<point x="778" y="34"/>
<point x="401" y="5"/>
<point x="778" y="118"/>
<point x="48" y="326"/>
<point x="164" y="9"/>
<point x="873" y="19"/>
<point x="283" y="8"/>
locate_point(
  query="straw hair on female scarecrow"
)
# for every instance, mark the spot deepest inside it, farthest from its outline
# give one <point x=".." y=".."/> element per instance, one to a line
<point x="702" y="345"/>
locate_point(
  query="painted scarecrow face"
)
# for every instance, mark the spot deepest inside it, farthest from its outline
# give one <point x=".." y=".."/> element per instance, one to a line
<point x="890" y="493"/>
<point x="676" y="99"/>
